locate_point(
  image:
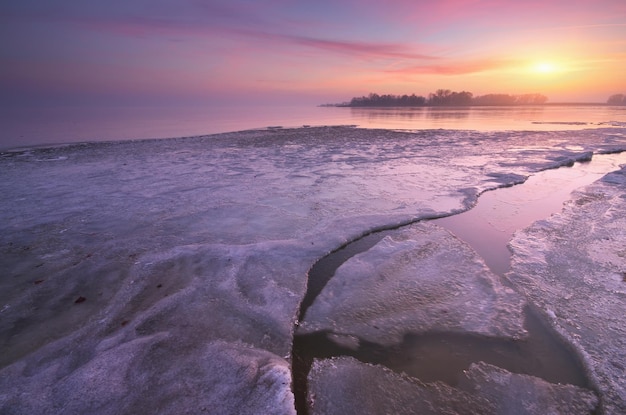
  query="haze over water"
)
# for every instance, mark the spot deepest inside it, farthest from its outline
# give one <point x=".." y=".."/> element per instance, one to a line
<point x="23" y="128"/>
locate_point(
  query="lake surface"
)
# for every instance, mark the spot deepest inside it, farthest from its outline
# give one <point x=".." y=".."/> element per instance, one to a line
<point x="21" y="127"/>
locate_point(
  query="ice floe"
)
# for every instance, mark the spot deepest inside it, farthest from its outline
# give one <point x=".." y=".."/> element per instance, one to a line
<point x="347" y="386"/>
<point x="420" y="279"/>
<point x="166" y="275"/>
<point x="572" y="266"/>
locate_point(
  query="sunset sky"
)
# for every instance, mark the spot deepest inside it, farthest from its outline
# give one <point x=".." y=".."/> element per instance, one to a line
<point x="173" y="52"/>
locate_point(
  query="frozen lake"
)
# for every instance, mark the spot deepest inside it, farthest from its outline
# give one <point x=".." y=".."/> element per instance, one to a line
<point x="167" y="275"/>
<point x="487" y="227"/>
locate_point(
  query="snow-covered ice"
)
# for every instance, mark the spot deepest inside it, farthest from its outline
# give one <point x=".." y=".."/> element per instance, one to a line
<point x="420" y="279"/>
<point x="346" y="386"/>
<point x="166" y="275"/>
<point x="572" y="266"/>
<point x="511" y="393"/>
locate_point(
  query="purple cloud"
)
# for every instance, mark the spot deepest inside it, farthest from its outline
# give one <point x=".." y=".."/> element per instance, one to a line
<point x="201" y="28"/>
<point x="369" y="49"/>
<point x="453" y="68"/>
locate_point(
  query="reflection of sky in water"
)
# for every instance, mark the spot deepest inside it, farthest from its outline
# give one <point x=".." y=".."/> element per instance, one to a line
<point x="23" y="127"/>
<point x="498" y="214"/>
<point x="537" y="118"/>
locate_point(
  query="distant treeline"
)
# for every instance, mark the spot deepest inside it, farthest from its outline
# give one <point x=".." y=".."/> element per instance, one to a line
<point x="444" y="97"/>
<point x="617" y="99"/>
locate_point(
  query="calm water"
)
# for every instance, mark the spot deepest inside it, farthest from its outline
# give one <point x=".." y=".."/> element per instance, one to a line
<point x="490" y="225"/>
<point x="22" y="127"/>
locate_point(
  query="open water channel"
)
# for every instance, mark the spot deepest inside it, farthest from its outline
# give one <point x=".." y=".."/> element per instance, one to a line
<point x="487" y="227"/>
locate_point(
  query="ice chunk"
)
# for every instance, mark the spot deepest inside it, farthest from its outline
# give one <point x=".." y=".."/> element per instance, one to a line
<point x="346" y="386"/>
<point x="570" y="266"/>
<point x="512" y="393"/>
<point x="417" y="280"/>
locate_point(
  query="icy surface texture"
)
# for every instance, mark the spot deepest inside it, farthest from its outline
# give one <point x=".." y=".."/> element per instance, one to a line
<point x="511" y="393"/>
<point x="347" y="386"/>
<point x="573" y="267"/>
<point x="148" y="375"/>
<point x="417" y="280"/>
<point x="114" y="254"/>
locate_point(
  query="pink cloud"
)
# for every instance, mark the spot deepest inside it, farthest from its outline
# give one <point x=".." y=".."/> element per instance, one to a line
<point x="356" y="48"/>
<point x="145" y="27"/>
<point x="381" y="50"/>
<point x="452" y="68"/>
<point x="445" y="15"/>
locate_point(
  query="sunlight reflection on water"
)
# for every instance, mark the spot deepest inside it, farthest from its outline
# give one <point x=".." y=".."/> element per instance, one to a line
<point x="536" y="118"/>
<point x="27" y="127"/>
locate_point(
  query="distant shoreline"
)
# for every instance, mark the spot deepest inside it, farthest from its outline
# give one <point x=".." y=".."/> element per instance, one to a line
<point x="547" y="104"/>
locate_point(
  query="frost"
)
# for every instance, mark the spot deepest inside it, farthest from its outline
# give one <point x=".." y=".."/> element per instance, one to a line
<point x="344" y="385"/>
<point x="192" y="254"/>
<point x="419" y="280"/>
<point x="578" y="285"/>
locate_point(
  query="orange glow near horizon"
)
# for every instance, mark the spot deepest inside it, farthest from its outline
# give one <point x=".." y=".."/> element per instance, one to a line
<point x="324" y="51"/>
<point x="545" y="68"/>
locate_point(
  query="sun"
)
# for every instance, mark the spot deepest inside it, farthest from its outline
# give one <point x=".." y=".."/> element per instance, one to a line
<point x="544" y="68"/>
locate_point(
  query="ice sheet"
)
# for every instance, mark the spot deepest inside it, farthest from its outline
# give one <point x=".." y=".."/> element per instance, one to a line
<point x="347" y="386"/>
<point x="421" y="279"/>
<point x="207" y="241"/>
<point x="572" y="266"/>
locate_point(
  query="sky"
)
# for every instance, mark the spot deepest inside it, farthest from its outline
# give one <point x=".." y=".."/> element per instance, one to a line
<point x="240" y="52"/>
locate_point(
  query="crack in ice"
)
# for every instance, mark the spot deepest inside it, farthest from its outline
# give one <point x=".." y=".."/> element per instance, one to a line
<point x="557" y="362"/>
